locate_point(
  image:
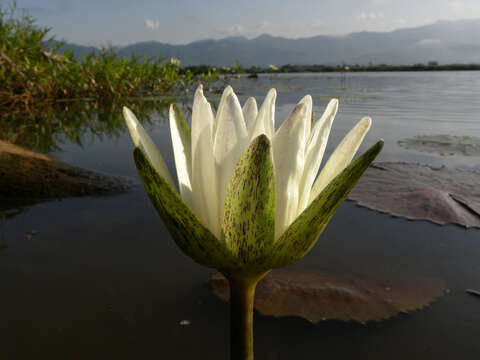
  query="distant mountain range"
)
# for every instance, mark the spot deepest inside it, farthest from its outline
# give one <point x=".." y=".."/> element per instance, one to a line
<point x="444" y="42"/>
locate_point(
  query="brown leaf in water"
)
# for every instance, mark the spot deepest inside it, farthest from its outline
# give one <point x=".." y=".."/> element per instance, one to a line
<point x="420" y="192"/>
<point x="317" y="296"/>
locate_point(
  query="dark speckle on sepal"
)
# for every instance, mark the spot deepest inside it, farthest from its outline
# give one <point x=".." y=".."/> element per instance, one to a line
<point x="248" y="223"/>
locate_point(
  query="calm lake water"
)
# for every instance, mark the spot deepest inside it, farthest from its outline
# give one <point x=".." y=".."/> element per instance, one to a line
<point x="101" y="278"/>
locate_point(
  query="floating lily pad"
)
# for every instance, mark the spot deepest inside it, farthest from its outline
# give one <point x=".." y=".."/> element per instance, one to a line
<point x="421" y="192"/>
<point x="317" y="296"/>
<point x="444" y="144"/>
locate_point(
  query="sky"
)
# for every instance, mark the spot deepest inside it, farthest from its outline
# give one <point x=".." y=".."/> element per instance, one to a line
<point x="122" y="22"/>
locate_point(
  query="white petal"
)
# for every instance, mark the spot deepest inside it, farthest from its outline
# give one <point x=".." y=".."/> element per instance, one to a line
<point x="288" y="157"/>
<point x="250" y="112"/>
<point x="181" y="141"/>
<point x="307" y="100"/>
<point x="231" y="139"/>
<point x="265" y="122"/>
<point x="314" y="152"/>
<point x="204" y="171"/>
<point x="144" y="142"/>
<point x="341" y="157"/>
<point x="226" y="92"/>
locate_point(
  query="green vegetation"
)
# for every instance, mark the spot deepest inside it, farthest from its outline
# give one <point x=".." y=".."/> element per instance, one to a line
<point x="32" y="73"/>
<point x="431" y="66"/>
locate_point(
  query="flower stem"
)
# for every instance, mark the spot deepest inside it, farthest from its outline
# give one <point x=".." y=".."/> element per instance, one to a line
<point x="242" y="293"/>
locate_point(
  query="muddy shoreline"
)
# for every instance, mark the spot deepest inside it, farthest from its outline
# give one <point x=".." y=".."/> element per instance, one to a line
<point x="27" y="177"/>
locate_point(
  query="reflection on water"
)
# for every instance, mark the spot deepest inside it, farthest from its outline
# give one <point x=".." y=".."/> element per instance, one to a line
<point x="81" y="123"/>
<point x="103" y="279"/>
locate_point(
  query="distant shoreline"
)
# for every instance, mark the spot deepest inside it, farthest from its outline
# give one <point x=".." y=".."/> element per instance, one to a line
<point x="377" y="68"/>
<point x="253" y="70"/>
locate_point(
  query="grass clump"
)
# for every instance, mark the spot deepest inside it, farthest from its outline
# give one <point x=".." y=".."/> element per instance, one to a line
<point x="33" y="73"/>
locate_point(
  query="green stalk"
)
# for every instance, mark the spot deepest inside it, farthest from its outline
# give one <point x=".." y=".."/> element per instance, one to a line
<point x="242" y="294"/>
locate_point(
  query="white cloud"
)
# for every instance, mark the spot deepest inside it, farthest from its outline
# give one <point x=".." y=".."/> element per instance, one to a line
<point x="152" y="24"/>
<point x="428" y="42"/>
<point x="368" y="16"/>
<point x="294" y="29"/>
<point x="378" y="2"/>
<point x="240" y="30"/>
<point x="234" y="30"/>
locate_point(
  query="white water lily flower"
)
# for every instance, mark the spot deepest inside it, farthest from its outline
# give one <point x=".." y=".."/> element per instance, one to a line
<point x="208" y="160"/>
<point x="249" y="198"/>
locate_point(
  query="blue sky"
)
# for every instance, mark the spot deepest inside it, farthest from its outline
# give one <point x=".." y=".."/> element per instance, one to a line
<point x="121" y="22"/>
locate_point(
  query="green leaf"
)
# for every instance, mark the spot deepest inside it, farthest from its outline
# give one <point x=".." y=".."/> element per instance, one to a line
<point x="302" y="234"/>
<point x="191" y="236"/>
<point x="248" y="223"/>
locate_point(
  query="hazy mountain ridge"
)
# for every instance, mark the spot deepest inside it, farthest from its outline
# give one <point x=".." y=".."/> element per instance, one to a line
<point x="443" y="41"/>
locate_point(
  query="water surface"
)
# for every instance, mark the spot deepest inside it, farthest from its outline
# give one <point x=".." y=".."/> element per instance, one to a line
<point x="100" y="277"/>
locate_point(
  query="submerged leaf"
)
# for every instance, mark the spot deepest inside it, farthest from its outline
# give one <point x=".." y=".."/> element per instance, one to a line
<point x="443" y="144"/>
<point x="420" y="192"/>
<point x="317" y="296"/>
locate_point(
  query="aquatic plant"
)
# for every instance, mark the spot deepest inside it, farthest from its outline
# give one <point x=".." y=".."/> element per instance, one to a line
<point x="34" y="72"/>
<point x="249" y="198"/>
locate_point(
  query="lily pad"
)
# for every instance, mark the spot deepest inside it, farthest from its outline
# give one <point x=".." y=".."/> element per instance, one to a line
<point x="420" y="192"/>
<point x="321" y="295"/>
<point x="443" y="144"/>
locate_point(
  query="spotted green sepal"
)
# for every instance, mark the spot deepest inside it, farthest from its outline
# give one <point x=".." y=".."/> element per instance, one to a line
<point x="302" y="234"/>
<point x="248" y="223"/>
<point x="190" y="235"/>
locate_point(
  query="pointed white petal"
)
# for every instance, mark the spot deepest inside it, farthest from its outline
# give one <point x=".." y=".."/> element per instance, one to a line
<point x="181" y="141"/>
<point x="132" y="124"/>
<point x="144" y="142"/>
<point x="265" y="123"/>
<point x="227" y="91"/>
<point x="231" y="139"/>
<point x="288" y="157"/>
<point x="250" y="112"/>
<point x="204" y="171"/>
<point x="341" y="157"/>
<point x="307" y="100"/>
<point x="314" y="152"/>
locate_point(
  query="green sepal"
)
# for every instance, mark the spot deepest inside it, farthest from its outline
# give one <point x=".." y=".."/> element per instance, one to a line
<point x="303" y="233"/>
<point x="191" y="236"/>
<point x="248" y="223"/>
